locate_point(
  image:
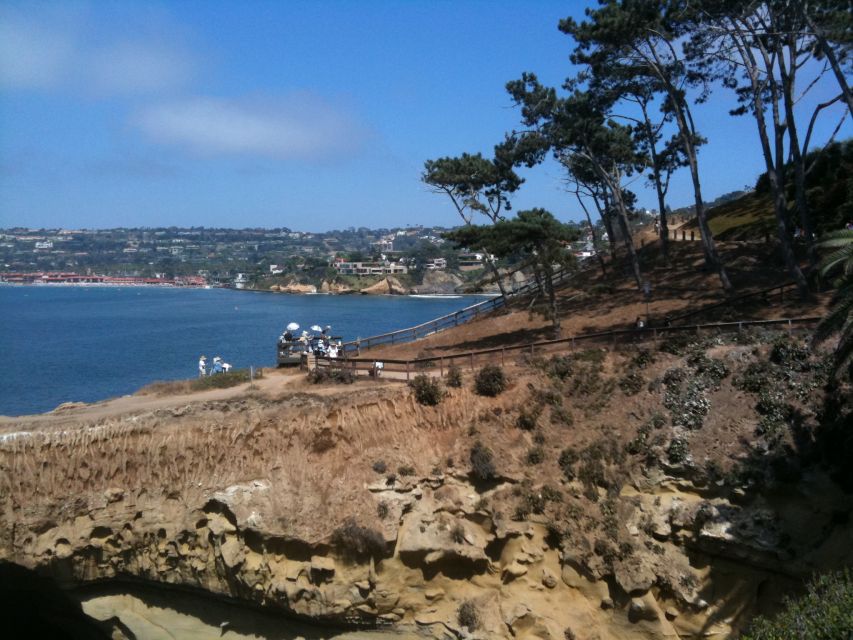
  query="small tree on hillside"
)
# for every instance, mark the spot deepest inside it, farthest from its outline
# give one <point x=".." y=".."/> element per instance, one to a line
<point x="535" y="234"/>
<point x="474" y="185"/>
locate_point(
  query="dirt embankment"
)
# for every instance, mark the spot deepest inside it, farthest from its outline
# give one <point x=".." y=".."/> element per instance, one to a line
<point x="614" y="495"/>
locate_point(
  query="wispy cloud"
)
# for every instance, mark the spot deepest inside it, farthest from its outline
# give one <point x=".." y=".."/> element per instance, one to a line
<point x="299" y="126"/>
<point x="51" y="50"/>
<point x="32" y="55"/>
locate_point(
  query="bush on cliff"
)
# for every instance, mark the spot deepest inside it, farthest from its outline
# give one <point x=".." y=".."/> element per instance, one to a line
<point x="490" y="381"/>
<point x="482" y="462"/>
<point x="468" y="616"/>
<point x="428" y="391"/>
<point x="357" y="542"/>
<point x="454" y="376"/>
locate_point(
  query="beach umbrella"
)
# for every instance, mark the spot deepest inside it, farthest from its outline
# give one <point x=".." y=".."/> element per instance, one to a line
<point x="316" y="327"/>
<point x="292" y="326"/>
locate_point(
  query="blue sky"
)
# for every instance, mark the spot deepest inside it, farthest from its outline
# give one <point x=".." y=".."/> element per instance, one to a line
<point x="311" y="115"/>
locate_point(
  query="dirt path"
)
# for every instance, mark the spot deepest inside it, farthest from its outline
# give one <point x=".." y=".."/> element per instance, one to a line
<point x="274" y="384"/>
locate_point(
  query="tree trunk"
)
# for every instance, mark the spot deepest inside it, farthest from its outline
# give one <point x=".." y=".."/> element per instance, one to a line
<point x="664" y="228"/>
<point x="496" y="273"/>
<point x="774" y="169"/>
<point x="592" y="232"/>
<point x="832" y="58"/>
<point x="797" y="158"/>
<point x="683" y="120"/>
<point x="712" y="258"/>
<point x="629" y="241"/>
<point x="552" y="299"/>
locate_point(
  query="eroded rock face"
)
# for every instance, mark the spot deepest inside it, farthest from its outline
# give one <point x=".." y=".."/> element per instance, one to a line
<point x="441" y="542"/>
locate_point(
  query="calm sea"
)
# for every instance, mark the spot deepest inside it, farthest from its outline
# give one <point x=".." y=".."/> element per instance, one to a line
<point x="63" y="344"/>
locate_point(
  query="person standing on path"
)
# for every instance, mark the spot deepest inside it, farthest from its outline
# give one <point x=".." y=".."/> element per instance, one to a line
<point x="202" y="369"/>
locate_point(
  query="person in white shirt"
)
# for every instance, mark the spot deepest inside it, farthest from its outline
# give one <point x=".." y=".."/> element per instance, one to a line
<point x="202" y="367"/>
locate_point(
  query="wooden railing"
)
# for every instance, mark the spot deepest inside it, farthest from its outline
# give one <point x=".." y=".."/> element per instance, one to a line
<point x="472" y="359"/>
<point x="454" y="319"/>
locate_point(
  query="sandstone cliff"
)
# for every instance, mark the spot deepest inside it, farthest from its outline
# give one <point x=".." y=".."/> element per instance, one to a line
<point x="632" y="495"/>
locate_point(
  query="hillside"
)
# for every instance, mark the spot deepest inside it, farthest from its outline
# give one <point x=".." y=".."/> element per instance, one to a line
<point x="672" y="488"/>
<point x="829" y="185"/>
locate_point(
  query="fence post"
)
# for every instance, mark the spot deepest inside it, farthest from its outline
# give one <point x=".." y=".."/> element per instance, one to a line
<point x="407" y="370"/>
<point x="790" y="327"/>
<point x="573" y="343"/>
<point x="441" y="367"/>
<point x="471" y="361"/>
<point x="503" y="356"/>
<point x="692" y="236"/>
<point x="655" y="337"/>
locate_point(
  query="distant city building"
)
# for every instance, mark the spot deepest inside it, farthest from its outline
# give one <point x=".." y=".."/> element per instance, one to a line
<point x="369" y="268"/>
<point x="471" y="261"/>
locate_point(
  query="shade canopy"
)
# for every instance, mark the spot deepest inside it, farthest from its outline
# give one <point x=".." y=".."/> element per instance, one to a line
<point x="292" y="326"/>
<point x="316" y="327"/>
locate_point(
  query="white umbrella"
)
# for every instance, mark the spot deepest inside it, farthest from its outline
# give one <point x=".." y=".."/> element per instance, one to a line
<point x="316" y="327"/>
<point x="292" y="326"/>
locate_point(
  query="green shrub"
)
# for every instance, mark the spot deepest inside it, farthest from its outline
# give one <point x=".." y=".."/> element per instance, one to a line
<point x="677" y="451"/>
<point x="676" y="343"/>
<point x="482" y="462"/>
<point x="331" y="374"/>
<point x="756" y="377"/>
<point x="567" y="460"/>
<point x="562" y="416"/>
<point x="454" y="376"/>
<point x="632" y="383"/>
<point x="223" y="380"/>
<point x="490" y="381"/>
<point x="824" y="613"/>
<point x="642" y="359"/>
<point x="382" y="510"/>
<point x="357" y="542"/>
<point x="789" y="354"/>
<point x="711" y="370"/>
<point x="535" y="455"/>
<point x="527" y="418"/>
<point x="428" y="391"/>
<point x="560" y="367"/>
<point x="468" y="616"/>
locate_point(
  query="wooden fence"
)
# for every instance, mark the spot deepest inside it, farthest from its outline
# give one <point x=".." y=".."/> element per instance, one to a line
<point x="405" y="369"/>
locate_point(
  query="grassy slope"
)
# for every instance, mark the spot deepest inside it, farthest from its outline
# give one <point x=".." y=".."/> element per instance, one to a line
<point x="747" y="218"/>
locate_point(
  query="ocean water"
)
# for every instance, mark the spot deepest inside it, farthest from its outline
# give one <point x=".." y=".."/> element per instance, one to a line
<point x="83" y="344"/>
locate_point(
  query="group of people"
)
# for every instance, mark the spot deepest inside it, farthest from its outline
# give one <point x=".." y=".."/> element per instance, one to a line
<point x="217" y="366"/>
<point x="321" y="345"/>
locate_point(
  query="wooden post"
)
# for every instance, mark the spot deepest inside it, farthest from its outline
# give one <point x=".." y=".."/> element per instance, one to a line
<point x="471" y="356"/>
<point x="683" y="233"/>
<point x="441" y="367"/>
<point x="503" y="356"/>
<point x="407" y="370"/>
<point x="692" y="236"/>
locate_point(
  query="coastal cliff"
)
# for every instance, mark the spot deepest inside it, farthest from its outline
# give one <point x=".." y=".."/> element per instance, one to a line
<point x="607" y="508"/>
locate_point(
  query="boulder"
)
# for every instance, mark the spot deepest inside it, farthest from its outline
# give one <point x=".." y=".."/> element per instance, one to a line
<point x="388" y="285"/>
